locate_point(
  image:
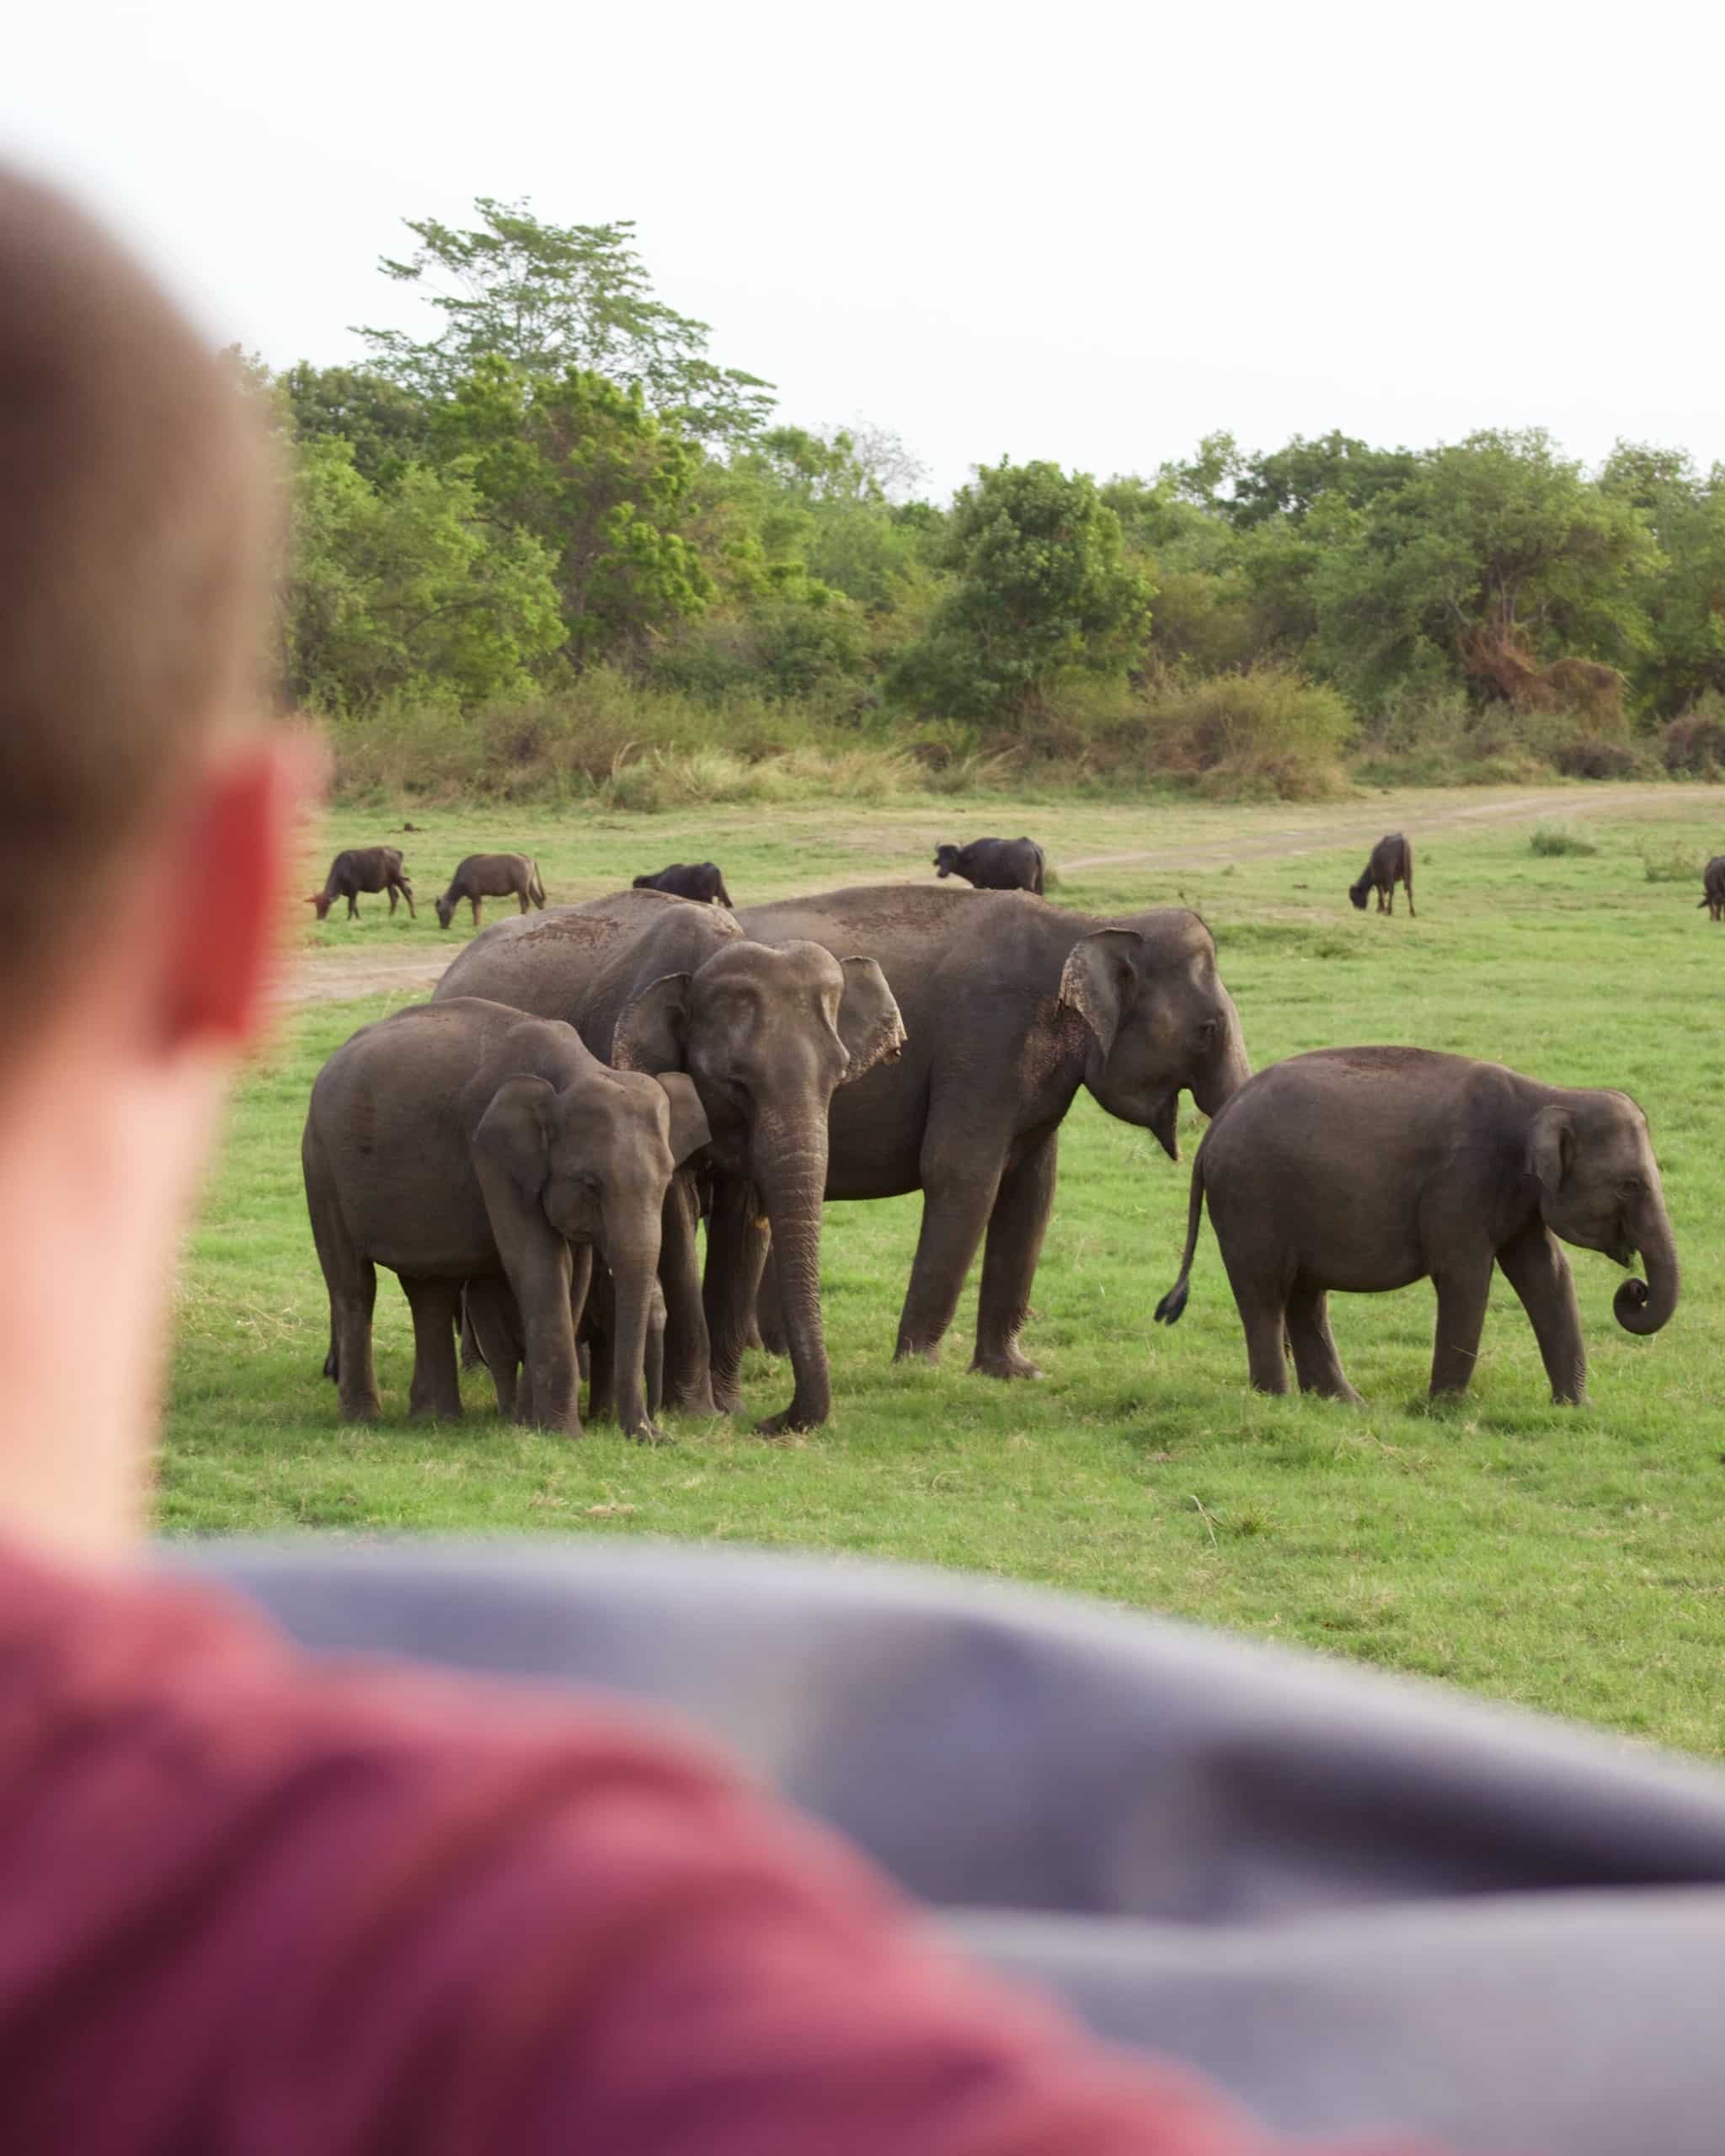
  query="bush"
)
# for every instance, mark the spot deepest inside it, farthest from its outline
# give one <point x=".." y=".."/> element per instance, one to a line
<point x="1693" y="746"/>
<point x="1590" y="755"/>
<point x="1552" y="839"/>
<point x="1266" y="732"/>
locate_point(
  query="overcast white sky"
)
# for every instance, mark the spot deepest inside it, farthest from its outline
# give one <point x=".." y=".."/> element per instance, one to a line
<point x="1079" y="231"/>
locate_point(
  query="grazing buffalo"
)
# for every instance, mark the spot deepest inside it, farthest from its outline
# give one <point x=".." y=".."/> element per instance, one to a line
<point x="363" y="868"/>
<point x="699" y="880"/>
<point x="484" y="875"/>
<point x="994" y="864"/>
<point x="1714" y="883"/>
<point x="1391" y="863"/>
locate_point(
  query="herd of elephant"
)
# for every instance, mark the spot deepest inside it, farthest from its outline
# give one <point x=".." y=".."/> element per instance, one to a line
<point x="534" y="1151"/>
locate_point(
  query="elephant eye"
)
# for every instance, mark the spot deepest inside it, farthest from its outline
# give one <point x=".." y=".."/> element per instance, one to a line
<point x="1631" y="1186"/>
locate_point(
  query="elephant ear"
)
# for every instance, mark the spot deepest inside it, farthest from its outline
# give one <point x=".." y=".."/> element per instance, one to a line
<point x="1551" y="1148"/>
<point x="869" y="1023"/>
<point x="688" y="1119"/>
<point x="1100" y="978"/>
<point x="650" y="1033"/>
<point x="514" y="1133"/>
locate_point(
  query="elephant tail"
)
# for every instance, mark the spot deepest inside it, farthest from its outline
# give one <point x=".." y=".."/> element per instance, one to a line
<point x="332" y="1361"/>
<point x="1703" y="902"/>
<point x="1169" y="1310"/>
<point x="535" y="883"/>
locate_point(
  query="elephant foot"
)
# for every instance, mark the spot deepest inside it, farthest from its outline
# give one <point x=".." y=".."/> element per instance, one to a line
<point x="1004" y="1362"/>
<point x="362" y="1410"/>
<point x="727" y="1399"/>
<point x="789" y="1423"/>
<point x="695" y="1400"/>
<point x="917" y="1351"/>
<point x="649" y="1434"/>
<point x="435" y="1410"/>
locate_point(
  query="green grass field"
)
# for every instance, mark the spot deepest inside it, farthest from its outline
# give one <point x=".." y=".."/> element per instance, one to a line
<point x="1568" y="1560"/>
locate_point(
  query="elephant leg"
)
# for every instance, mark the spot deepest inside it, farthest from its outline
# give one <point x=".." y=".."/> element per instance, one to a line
<point x="769" y="1311"/>
<point x="436" y="1308"/>
<point x="956" y="1207"/>
<point x="495" y="1327"/>
<point x="1016" y="1228"/>
<point x="1535" y="1268"/>
<point x="1463" y="1291"/>
<point x="351" y="1345"/>
<point x="688" y="1354"/>
<point x="1315" y="1363"/>
<point x="736" y="1251"/>
<point x="1260" y="1297"/>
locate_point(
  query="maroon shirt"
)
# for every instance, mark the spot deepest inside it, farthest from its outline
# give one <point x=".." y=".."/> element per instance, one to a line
<point x="255" y="1903"/>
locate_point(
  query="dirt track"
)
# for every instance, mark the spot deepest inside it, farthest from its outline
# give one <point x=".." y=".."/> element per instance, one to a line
<point x="327" y="977"/>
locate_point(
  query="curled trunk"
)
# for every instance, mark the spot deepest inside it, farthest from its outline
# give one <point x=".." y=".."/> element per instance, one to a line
<point x="1644" y="1306"/>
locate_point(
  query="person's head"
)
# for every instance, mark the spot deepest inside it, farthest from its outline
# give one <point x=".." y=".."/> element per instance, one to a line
<point x="143" y="818"/>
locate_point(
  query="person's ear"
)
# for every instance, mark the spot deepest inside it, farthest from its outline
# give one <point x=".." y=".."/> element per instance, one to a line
<point x="226" y="885"/>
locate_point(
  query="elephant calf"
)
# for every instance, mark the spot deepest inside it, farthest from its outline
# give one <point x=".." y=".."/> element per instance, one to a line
<point x="484" y="875"/>
<point x="1391" y="863"/>
<point x="994" y="864"/>
<point x="1713" y="886"/>
<point x="363" y="868"/>
<point x="699" y="880"/>
<point x="1364" y="1169"/>
<point x="461" y="1142"/>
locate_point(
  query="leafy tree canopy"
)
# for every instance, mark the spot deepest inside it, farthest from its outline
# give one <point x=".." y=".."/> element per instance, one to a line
<point x="547" y="298"/>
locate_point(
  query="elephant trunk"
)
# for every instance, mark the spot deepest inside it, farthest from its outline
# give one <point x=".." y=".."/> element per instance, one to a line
<point x="790" y="1173"/>
<point x="1228" y="1069"/>
<point x="634" y="1271"/>
<point x="1644" y="1306"/>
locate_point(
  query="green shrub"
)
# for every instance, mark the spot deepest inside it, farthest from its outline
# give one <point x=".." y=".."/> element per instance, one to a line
<point x="1266" y="732"/>
<point x="1552" y="838"/>
<point x="1693" y="746"/>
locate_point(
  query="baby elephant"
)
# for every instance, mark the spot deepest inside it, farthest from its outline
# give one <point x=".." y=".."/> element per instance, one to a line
<point x="363" y="868"/>
<point x="464" y="1142"/>
<point x="1391" y="863"/>
<point x="994" y="864"/>
<point x="484" y="875"/>
<point x="699" y="880"/>
<point x="1713" y="884"/>
<point x="1364" y="1168"/>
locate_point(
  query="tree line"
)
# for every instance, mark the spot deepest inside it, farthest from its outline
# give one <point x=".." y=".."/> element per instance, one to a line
<point x="557" y="477"/>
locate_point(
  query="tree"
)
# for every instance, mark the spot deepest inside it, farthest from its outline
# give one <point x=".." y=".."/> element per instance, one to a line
<point x="387" y="427"/>
<point x="593" y="477"/>
<point x="550" y="298"/>
<point x="403" y="593"/>
<point x="1495" y="560"/>
<point x="1683" y="595"/>
<point x="1043" y="589"/>
<point x="1290" y="482"/>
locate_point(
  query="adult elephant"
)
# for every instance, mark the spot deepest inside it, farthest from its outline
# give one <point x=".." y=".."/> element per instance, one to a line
<point x="658" y="984"/>
<point x="1011" y="1005"/>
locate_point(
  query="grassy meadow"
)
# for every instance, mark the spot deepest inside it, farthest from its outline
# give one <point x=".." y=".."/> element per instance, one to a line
<point x="1572" y="1561"/>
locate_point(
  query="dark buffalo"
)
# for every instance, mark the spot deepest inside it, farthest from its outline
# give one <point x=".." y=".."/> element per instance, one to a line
<point x="994" y="864"/>
<point x="699" y="880"/>
<point x="363" y="868"/>
<point x="1391" y="863"/>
